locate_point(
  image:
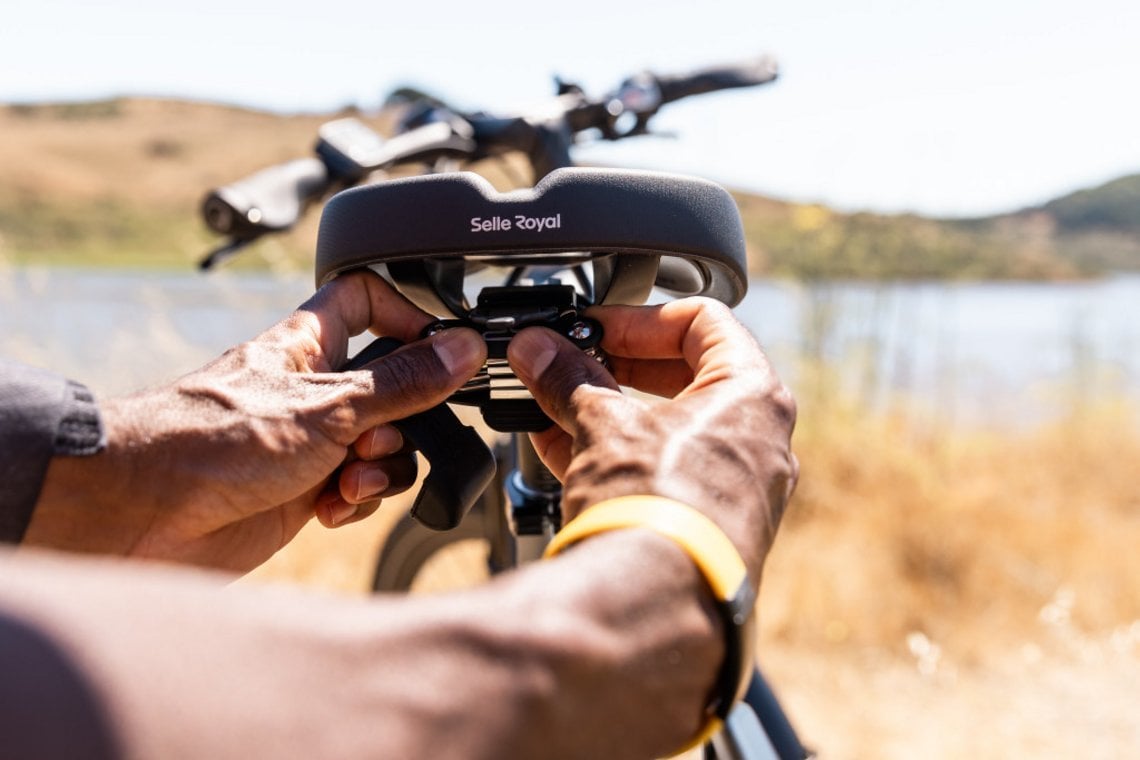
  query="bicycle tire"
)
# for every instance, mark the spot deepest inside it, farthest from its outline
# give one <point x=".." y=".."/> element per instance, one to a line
<point x="408" y="548"/>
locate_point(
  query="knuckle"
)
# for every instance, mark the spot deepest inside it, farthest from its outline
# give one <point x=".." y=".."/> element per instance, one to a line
<point x="331" y="400"/>
<point x="411" y="370"/>
<point x="589" y="401"/>
<point x="712" y="307"/>
<point x="783" y="404"/>
<point x="604" y="414"/>
<point x="711" y="311"/>
<point x="571" y="383"/>
<point x="567" y="373"/>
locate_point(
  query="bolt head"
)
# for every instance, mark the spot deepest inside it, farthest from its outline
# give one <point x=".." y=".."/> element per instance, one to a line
<point x="580" y="331"/>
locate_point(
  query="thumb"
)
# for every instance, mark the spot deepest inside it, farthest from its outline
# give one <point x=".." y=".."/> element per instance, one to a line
<point x="421" y="375"/>
<point x="552" y="368"/>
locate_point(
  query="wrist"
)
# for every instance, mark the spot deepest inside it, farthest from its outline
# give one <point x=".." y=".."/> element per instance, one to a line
<point x="721" y="567"/>
<point x="739" y="509"/>
<point x="622" y="621"/>
<point x="93" y="503"/>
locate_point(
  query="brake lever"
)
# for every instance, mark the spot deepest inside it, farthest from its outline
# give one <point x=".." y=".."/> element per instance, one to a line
<point x="462" y="466"/>
<point x="224" y="251"/>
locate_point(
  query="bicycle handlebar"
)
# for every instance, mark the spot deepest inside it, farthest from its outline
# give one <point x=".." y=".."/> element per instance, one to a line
<point x="273" y="199"/>
<point x="639" y="96"/>
<point x="752" y="73"/>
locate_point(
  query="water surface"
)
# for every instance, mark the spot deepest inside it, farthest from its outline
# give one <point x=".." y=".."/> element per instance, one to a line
<point x="1001" y="352"/>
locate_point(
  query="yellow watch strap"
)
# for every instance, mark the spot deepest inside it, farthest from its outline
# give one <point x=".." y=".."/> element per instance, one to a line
<point x="702" y="540"/>
<point x="717" y="559"/>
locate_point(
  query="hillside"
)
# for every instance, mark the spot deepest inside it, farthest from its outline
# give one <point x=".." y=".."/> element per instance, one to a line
<point x="1099" y="229"/>
<point x="118" y="182"/>
<point x="1086" y="233"/>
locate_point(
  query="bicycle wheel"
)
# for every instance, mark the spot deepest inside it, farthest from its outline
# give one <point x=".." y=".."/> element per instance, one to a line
<point x="410" y="549"/>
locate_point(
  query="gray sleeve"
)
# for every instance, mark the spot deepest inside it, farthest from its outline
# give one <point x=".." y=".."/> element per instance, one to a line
<point x="41" y="415"/>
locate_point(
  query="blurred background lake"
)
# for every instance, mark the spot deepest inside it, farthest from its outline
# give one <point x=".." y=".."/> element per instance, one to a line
<point x="975" y="354"/>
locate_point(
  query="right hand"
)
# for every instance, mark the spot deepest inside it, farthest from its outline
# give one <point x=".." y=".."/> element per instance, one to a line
<point x="719" y="439"/>
<point x="225" y="465"/>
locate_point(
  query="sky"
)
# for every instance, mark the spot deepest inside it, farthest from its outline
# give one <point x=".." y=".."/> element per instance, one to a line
<point x="960" y="108"/>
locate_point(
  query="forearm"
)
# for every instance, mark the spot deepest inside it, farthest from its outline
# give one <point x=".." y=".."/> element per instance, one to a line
<point x="186" y="667"/>
<point x="608" y="651"/>
<point x="625" y="628"/>
<point x="125" y="499"/>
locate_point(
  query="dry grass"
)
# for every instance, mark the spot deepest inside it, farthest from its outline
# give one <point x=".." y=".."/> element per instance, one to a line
<point x="960" y="594"/>
<point x="173" y="150"/>
<point x="120" y="182"/>
<point x="963" y="537"/>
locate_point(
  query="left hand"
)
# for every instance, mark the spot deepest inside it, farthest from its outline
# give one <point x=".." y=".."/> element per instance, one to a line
<point x="714" y="429"/>
<point x="225" y="465"/>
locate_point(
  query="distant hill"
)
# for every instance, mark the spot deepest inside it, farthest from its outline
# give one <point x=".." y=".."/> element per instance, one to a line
<point x="1112" y="207"/>
<point x="814" y="242"/>
<point x="1099" y="229"/>
<point x="118" y="182"/>
<point x="1086" y="233"/>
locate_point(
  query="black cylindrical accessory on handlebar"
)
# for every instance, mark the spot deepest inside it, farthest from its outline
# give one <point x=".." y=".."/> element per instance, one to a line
<point x="759" y="71"/>
<point x="272" y="200"/>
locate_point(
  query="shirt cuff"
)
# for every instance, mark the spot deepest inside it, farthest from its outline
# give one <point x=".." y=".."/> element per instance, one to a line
<point x="80" y="431"/>
<point x="42" y="415"/>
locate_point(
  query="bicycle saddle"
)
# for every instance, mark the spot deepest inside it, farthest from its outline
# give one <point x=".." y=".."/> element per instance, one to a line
<point x="635" y="229"/>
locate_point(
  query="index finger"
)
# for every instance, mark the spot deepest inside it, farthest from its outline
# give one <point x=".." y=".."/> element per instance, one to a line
<point x="349" y="305"/>
<point x="701" y="333"/>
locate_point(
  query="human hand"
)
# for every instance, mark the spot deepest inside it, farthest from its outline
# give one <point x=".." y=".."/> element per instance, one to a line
<point x="225" y="465"/>
<point x="719" y="439"/>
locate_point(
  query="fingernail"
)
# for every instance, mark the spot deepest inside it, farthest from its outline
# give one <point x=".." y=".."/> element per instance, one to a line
<point x="371" y="482"/>
<point x="532" y="352"/>
<point x="341" y="512"/>
<point x="461" y="351"/>
<point x="385" y="440"/>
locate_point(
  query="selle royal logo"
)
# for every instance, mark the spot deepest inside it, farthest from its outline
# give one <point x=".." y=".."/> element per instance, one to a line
<point x="519" y="221"/>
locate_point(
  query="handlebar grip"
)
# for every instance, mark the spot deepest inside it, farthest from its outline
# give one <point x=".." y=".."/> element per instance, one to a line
<point x="272" y="200"/>
<point x="462" y="466"/>
<point x="758" y="71"/>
